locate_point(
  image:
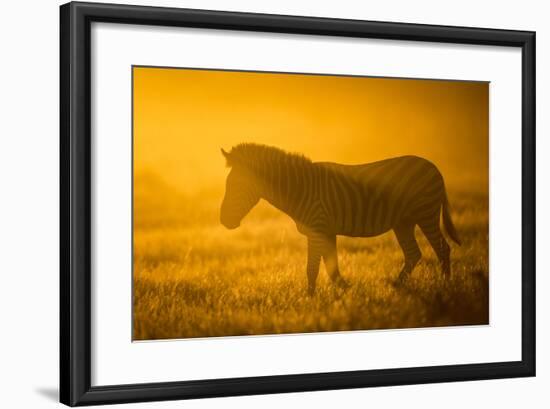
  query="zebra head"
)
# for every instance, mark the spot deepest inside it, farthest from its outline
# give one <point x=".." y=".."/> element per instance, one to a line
<point x="242" y="193"/>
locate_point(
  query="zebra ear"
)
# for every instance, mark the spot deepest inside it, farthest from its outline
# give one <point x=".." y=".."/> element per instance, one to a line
<point x="227" y="157"/>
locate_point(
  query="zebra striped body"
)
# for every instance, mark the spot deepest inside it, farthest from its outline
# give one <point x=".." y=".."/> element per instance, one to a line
<point x="328" y="199"/>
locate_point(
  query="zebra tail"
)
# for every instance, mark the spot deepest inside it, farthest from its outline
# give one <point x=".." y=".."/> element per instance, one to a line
<point x="448" y="222"/>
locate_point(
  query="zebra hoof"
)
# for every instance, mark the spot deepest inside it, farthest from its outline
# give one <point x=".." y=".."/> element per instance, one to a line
<point x="401" y="280"/>
<point x="343" y="284"/>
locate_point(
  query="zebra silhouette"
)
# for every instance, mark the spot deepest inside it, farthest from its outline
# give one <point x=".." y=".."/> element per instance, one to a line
<point x="327" y="199"/>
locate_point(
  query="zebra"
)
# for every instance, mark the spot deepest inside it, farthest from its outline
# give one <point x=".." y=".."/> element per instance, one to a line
<point x="327" y="199"/>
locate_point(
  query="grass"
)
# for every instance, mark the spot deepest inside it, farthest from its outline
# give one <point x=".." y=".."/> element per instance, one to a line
<point x="193" y="278"/>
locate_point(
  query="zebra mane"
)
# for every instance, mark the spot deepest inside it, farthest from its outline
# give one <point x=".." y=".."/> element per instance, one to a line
<point x="257" y="157"/>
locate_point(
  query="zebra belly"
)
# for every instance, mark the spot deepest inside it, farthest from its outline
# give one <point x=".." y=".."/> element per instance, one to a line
<point x="364" y="231"/>
<point x="369" y="220"/>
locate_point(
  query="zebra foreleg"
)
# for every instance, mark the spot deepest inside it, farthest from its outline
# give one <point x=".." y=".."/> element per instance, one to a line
<point x="330" y="257"/>
<point x="407" y="241"/>
<point x="314" y="251"/>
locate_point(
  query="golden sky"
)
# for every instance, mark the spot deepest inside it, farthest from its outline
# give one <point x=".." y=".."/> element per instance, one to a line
<point x="182" y="117"/>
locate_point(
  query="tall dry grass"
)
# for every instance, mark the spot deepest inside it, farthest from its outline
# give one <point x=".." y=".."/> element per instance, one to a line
<point x="193" y="278"/>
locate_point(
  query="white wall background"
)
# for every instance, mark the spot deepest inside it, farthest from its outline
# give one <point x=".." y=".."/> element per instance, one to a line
<point x="29" y="207"/>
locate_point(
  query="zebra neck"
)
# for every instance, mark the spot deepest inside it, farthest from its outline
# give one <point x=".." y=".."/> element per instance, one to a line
<point x="288" y="187"/>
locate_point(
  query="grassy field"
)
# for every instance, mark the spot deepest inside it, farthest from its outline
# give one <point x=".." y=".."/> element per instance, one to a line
<point x="194" y="278"/>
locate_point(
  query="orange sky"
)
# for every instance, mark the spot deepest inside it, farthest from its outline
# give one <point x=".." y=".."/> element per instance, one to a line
<point x="182" y="118"/>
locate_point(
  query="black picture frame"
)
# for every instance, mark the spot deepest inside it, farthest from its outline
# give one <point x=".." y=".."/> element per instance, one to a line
<point x="75" y="203"/>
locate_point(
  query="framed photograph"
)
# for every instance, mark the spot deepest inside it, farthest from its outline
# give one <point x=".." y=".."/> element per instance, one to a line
<point x="257" y="204"/>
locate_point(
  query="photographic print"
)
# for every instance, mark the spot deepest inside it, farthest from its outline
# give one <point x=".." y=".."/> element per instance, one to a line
<point x="278" y="203"/>
<point x="271" y="187"/>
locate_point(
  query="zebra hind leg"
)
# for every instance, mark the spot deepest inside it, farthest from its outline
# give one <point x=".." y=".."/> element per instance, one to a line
<point x="407" y="241"/>
<point x="330" y="257"/>
<point x="432" y="231"/>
